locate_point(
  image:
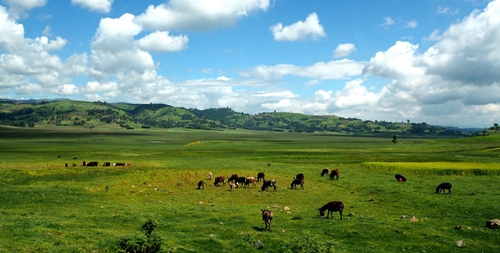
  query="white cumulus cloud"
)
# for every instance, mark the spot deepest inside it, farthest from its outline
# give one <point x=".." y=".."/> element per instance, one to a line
<point x="322" y="70"/>
<point x="197" y="14"/>
<point x="95" y="5"/>
<point x="301" y="30"/>
<point x="344" y="50"/>
<point x="18" y="8"/>
<point x="163" y="42"/>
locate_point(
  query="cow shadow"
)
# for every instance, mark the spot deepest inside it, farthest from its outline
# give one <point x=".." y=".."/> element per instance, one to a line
<point x="259" y="228"/>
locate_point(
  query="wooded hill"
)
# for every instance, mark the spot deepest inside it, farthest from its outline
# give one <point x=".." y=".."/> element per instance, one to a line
<point x="30" y="113"/>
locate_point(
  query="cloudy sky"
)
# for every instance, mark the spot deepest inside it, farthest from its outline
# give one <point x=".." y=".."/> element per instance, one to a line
<point x="433" y="61"/>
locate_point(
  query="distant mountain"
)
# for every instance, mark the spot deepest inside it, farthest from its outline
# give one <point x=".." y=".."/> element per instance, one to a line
<point x="64" y="112"/>
<point x="466" y="130"/>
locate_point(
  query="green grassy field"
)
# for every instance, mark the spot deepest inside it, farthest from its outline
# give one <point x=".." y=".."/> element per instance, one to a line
<point x="47" y="207"/>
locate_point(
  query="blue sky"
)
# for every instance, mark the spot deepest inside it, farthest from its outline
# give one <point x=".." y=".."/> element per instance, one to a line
<point x="432" y="61"/>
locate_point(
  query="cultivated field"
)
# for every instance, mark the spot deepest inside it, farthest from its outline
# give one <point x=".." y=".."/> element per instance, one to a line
<point x="47" y="207"/>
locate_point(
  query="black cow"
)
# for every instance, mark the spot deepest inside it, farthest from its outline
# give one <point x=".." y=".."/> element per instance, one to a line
<point x="325" y="171"/>
<point x="269" y="183"/>
<point x="240" y="180"/>
<point x="106" y="164"/>
<point x="443" y="187"/>
<point x="201" y="185"/>
<point x="92" y="164"/>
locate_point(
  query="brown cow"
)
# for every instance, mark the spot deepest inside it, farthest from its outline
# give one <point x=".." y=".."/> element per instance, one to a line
<point x="335" y="174"/>
<point x="233" y="177"/>
<point x="219" y="180"/>
<point x="260" y="176"/>
<point x="296" y="182"/>
<point x="250" y="180"/>
<point x="334" y="206"/>
<point x="300" y="176"/>
<point x="267" y="216"/>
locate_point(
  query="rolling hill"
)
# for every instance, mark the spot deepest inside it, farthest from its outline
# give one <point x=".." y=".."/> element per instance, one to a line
<point x="62" y="112"/>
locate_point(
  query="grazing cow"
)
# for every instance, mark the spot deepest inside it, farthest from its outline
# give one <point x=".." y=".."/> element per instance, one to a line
<point x="210" y="175"/>
<point x="201" y="185"/>
<point x="232" y="186"/>
<point x="58" y="156"/>
<point x="400" y="178"/>
<point x="219" y="180"/>
<point x="75" y="158"/>
<point x="297" y="181"/>
<point x="240" y="180"/>
<point x="233" y="177"/>
<point x="106" y="164"/>
<point x="84" y="163"/>
<point x="394" y="139"/>
<point x="300" y="176"/>
<point x="260" y="176"/>
<point x="325" y="171"/>
<point x="269" y="183"/>
<point x="443" y="187"/>
<point x="118" y="164"/>
<point x="267" y="216"/>
<point x="250" y="180"/>
<point x="334" y="206"/>
<point x="66" y="165"/>
<point x="335" y="174"/>
<point x="92" y="164"/>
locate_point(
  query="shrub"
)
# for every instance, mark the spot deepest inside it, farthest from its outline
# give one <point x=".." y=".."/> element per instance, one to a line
<point x="307" y="244"/>
<point x="144" y="243"/>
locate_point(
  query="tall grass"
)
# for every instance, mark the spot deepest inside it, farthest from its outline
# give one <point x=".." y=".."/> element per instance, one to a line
<point x="436" y="168"/>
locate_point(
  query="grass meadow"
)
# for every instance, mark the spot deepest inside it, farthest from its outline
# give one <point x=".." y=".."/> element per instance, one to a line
<point x="47" y="207"/>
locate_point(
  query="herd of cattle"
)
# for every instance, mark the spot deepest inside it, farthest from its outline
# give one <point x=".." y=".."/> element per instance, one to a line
<point x="267" y="215"/>
<point x="95" y="164"/>
<point x="236" y="181"/>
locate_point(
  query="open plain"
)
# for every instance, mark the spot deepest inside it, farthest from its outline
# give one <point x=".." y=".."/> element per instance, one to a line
<point x="46" y="206"/>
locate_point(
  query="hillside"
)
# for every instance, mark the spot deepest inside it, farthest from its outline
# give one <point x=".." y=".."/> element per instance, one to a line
<point x="33" y="113"/>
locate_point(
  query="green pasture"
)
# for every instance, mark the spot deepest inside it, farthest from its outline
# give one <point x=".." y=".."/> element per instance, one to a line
<point x="48" y="207"/>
